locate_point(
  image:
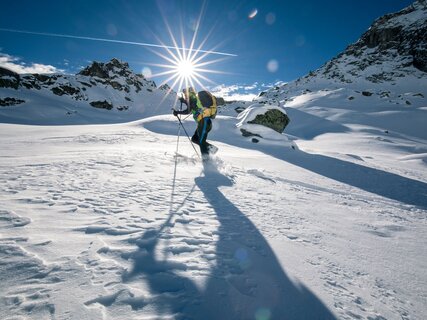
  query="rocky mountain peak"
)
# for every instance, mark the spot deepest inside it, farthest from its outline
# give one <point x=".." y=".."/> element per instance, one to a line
<point x="404" y="31"/>
<point x="111" y="69"/>
<point x="121" y="86"/>
<point x="391" y="53"/>
<point x="393" y="47"/>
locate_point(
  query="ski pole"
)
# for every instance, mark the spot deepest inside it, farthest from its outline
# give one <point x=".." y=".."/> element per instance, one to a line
<point x="180" y="122"/>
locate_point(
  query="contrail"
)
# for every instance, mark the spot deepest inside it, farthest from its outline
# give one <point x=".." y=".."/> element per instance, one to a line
<point x="143" y="44"/>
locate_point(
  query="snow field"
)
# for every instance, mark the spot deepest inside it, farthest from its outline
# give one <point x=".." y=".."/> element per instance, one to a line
<point x="105" y="222"/>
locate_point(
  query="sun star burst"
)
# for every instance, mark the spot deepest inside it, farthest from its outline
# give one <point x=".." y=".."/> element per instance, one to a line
<point x="187" y="66"/>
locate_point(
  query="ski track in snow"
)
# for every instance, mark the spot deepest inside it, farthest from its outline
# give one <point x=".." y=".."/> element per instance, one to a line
<point x="110" y="225"/>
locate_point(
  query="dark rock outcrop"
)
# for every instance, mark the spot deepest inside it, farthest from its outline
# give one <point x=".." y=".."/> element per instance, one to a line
<point x="9" y="79"/>
<point x="65" y="89"/>
<point x="220" y="101"/>
<point x="6" y="102"/>
<point x="165" y="87"/>
<point x="96" y="69"/>
<point x="395" y="32"/>
<point x="101" y="104"/>
<point x="273" y="118"/>
<point x="109" y="73"/>
<point x="247" y="133"/>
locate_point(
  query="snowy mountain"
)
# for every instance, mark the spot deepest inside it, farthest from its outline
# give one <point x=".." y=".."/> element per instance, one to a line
<point x="100" y="93"/>
<point x="327" y="220"/>
<point x="395" y="46"/>
<point x="381" y="81"/>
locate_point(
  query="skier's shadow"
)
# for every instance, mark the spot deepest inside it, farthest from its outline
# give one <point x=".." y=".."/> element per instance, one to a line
<point x="247" y="281"/>
<point x="383" y="183"/>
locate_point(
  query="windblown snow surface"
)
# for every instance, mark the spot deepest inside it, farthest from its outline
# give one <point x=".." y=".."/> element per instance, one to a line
<point x="108" y="222"/>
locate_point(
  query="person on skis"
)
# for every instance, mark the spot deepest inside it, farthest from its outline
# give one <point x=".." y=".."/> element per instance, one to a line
<point x="203" y="107"/>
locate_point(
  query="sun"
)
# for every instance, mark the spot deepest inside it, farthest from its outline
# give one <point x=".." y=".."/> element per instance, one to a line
<point x="185" y="69"/>
<point x="187" y="64"/>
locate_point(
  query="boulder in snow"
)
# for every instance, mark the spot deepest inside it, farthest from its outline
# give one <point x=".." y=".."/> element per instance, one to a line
<point x="266" y="122"/>
<point x="275" y="119"/>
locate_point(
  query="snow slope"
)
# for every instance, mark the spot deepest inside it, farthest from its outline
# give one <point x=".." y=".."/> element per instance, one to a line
<point x="101" y="93"/>
<point x="326" y="221"/>
<point x="104" y="222"/>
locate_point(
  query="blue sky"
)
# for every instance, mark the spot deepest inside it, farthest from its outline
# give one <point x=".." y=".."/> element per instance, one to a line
<point x="283" y="41"/>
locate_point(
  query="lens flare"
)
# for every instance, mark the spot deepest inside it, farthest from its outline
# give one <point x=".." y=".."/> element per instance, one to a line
<point x="253" y="13"/>
<point x="272" y="65"/>
<point x="263" y="314"/>
<point x="146" y="72"/>
<point x="270" y="18"/>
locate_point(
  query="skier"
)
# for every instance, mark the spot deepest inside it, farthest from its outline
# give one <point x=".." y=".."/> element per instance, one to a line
<point x="203" y="107"/>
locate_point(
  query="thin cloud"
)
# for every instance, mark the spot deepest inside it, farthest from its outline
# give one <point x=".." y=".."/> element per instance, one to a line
<point x="224" y="90"/>
<point x="251" y="87"/>
<point x="241" y="97"/>
<point x="236" y="92"/>
<point x="14" y="64"/>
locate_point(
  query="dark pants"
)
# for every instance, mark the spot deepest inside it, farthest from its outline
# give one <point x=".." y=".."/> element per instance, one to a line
<point x="201" y="134"/>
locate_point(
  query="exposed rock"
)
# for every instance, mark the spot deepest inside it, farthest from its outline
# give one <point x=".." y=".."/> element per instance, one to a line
<point x="116" y="85"/>
<point x="420" y="59"/>
<point x="405" y="37"/>
<point x="247" y="133"/>
<point x="64" y="89"/>
<point x="273" y="118"/>
<point x="239" y="109"/>
<point x="220" y="101"/>
<point x="30" y="82"/>
<point x="101" y="104"/>
<point x="43" y="78"/>
<point x="366" y="93"/>
<point x="96" y="69"/>
<point x="165" y="87"/>
<point x="86" y="84"/>
<point x="109" y="70"/>
<point x="6" y="102"/>
<point x="9" y="79"/>
<point x="7" y="72"/>
<point x="9" y="82"/>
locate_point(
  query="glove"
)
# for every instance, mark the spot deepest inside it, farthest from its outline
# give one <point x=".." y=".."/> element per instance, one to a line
<point x="175" y="113"/>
